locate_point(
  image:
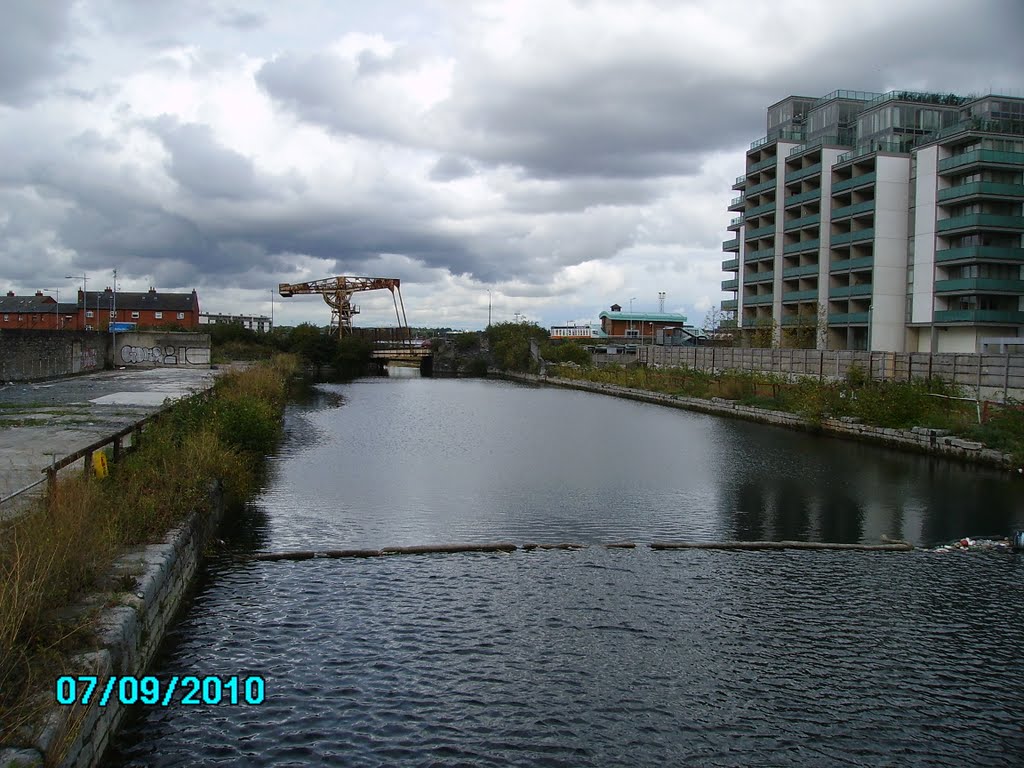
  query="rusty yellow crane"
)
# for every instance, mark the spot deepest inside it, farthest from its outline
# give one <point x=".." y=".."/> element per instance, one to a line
<point x="337" y="292"/>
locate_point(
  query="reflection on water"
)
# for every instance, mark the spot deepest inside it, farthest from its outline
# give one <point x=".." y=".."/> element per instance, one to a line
<point x="597" y="657"/>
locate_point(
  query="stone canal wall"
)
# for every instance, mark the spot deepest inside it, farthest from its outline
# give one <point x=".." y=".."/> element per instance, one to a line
<point x="986" y="376"/>
<point x="27" y="355"/>
<point x="146" y="590"/>
<point x="934" y="441"/>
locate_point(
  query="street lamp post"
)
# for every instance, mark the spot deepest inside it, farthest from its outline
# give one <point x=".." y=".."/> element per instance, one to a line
<point x="488" y="307"/>
<point x="631" y="332"/>
<point x="85" y="281"/>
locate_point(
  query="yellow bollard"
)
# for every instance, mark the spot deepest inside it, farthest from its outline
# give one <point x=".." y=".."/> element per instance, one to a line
<point x="99" y="464"/>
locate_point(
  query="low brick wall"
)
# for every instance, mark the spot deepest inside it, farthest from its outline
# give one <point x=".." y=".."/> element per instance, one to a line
<point x="129" y="631"/>
<point x="920" y="439"/>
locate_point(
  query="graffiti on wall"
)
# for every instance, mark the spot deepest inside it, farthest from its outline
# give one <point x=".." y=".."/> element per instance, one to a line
<point x="88" y="359"/>
<point x="165" y="355"/>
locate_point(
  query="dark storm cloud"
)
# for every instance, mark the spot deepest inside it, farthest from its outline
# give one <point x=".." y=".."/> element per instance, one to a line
<point x="31" y="33"/>
<point x="201" y="165"/>
<point x="450" y="168"/>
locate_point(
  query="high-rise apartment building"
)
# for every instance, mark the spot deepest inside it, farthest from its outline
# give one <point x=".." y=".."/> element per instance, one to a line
<point x="881" y="221"/>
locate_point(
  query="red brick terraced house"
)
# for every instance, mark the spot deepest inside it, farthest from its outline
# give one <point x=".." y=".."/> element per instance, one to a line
<point x="152" y="309"/>
<point x="39" y="312"/>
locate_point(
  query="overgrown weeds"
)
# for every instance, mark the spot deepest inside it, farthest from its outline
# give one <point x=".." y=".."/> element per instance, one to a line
<point x="60" y="550"/>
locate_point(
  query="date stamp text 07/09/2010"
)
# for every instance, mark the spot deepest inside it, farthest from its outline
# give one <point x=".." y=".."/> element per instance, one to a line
<point x="210" y="690"/>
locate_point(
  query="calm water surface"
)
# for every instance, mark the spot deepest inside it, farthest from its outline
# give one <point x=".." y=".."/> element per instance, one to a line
<point x="597" y="657"/>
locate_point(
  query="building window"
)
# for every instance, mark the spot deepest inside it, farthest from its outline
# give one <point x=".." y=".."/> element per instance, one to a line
<point x="135" y="315"/>
<point x="158" y="315"/>
<point x="7" y="318"/>
<point x="88" y="313"/>
<point x="632" y="333"/>
<point x="88" y="327"/>
<point x="181" y="315"/>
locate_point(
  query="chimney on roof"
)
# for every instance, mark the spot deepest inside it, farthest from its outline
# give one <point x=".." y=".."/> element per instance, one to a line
<point x="10" y="293"/>
<point x="107" y="289"/>
<point x="39" y="293"/>
<point x="616" y="308"/>
<point x="152" y="289"/>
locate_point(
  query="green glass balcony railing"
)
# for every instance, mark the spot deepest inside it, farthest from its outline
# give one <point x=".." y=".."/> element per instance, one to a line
<point x="756" y="301"/>
<point x="731" y="245"/>
<point x="852" y="210"/>
<point x="753" y="234"/>
<point x="848" y="318"/>
<point x="740" y="182"/>
<point x="861" y="262"/>
<point x="807" y="320"/>
<point x="1010" y="317"/>
<point x="811" y="293"/>
<point x="803" y="197"/>
<point x="806" y="245"/>
<point x="730" y="285"/>
<point x="981" y="221"/>
<point x="856" y="181"/>
<point x="759" y="188"/>
<point x="758" y="277"/>
<point x="803" y="173"/>
<point x="979" y="285"/>
<point x="806" y="269"/>
<point x="853" y="237"/>
<point x="843" y="291"/>
<point x="982" y="156"/>
<point x="730" y="265"/>
<point x="980" y="253"/>
<point x="758" y="210"/>
<point x="768" y="162"/>
<point x="737" y="203"/>
<point x="804" y="221"/>
<point x="765" y="254"/>
<point x="735" y="223"/>
<point x="730" y="323"/>
<point x="729" y="305"/>
<point x="981" y="188"/>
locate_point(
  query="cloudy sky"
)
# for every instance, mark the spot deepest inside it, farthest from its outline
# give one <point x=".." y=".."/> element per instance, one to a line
<point x="561" y="154"/>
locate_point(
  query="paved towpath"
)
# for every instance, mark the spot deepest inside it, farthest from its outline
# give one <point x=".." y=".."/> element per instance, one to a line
<point x="43" y="420"/>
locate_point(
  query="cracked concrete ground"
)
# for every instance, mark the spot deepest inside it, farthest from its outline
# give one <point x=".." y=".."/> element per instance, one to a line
<point x="45" y="421"/>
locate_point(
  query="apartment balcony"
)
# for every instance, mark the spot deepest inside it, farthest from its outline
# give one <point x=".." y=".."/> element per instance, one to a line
<point x="758" y="277"/>
<point x="845" y="291"/>
<point x="848" y="318"/>
<point x="731" y="285"/>
<point x="757" y="210"/>
<point x="731" y="245"/>
<point x="808" y="321"/>
<point x="762" y="187"/>
<point x="756" y="301"/>
<point x="857" y="181"/>
<point x="803" y="173"/>
<point x="803" y="197"/>
<point x="806" y="245"/>
<point x="727" y="324"/>
<point x="979" y="285"/>
<point x="809" y="295"/>
<point x="730" y="265"/>
<point x="867" y="206"/>
<point x="990" y="157"/>
<point x="853" y="237"/>
<point x="980" y="221"/>
<point x="767" y="254"/>
<point x="768" y="162"/>
<point x="981" y="253"/>
<point x="806" y="269"/>
<point x="754" y="234"/>
<point x="804" y="221"/>
<point x="740" y="182"/>
<point x="729" y="305"/>
<point x="996" y="316"/>
<point x="981" y="189"/>
<point x="850" y="265"/>
<point x="736" y="223"/>
<point x="737" y="203"/>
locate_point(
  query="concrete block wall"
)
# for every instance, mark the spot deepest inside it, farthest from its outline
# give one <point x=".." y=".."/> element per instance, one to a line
<point x="152" y="349"/>
<point x="129" y="631"/>
<point x="33" y="354"/>
<point x="988" y="376"/>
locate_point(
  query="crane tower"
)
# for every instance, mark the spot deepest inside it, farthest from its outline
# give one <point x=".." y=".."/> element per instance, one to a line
<point x="337" y="292"/>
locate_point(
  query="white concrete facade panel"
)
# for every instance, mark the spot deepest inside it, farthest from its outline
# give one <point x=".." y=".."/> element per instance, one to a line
<point x="924" y="234"/>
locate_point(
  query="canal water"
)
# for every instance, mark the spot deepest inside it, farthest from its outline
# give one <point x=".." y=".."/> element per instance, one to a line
<point x="596" y="657"/>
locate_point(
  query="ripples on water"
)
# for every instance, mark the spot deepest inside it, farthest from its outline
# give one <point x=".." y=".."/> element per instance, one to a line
<point x="590" y="658"/>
